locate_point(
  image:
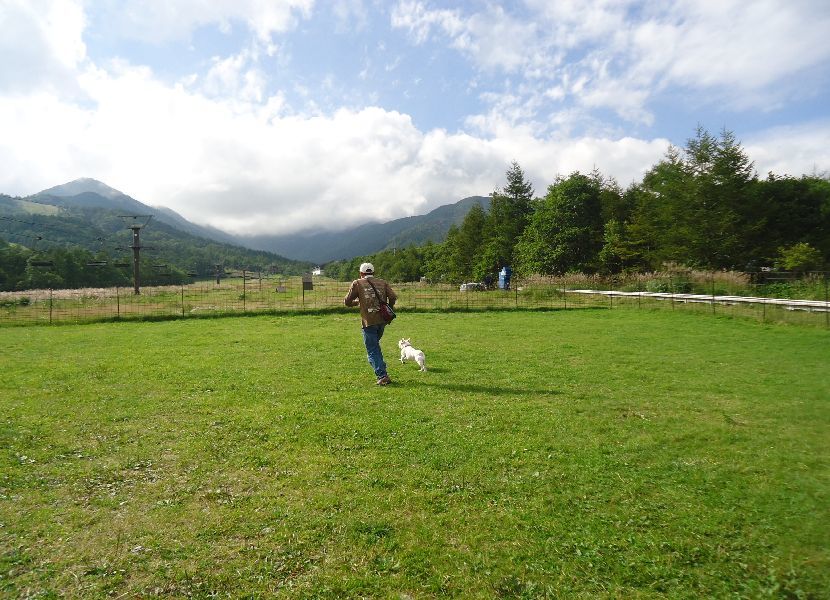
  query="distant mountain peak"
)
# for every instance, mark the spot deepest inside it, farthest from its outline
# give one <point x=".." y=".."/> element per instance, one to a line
<point x="325" y="246"/>
<point x="82" y="186"/>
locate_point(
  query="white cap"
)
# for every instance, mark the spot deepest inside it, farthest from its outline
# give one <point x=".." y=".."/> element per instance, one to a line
<point x="368" y="268"/>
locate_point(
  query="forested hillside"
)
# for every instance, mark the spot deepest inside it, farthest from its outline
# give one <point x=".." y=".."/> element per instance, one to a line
<point x="701" y="206"/>
<point x="42" y="245"/>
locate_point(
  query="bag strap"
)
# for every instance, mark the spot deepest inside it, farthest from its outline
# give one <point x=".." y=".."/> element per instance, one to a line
<point x="376" y="292"/>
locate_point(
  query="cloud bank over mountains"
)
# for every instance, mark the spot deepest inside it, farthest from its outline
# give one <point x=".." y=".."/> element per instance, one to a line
<point x="259" y="116"/>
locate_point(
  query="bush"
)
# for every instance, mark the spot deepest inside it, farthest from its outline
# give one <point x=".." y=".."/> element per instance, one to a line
<point x="669" y="286"/>
<point x="810" y="288"/>
<point x="799" y="258"/>
<point x="12" y="302"/>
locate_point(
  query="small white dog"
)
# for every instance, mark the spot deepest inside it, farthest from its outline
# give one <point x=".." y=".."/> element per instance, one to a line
<point x="410" y="353"/>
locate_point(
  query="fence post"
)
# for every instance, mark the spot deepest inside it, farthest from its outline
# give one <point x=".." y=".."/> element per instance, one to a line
<point x="713" y="293"/>
<point x="671" y="291"/>
<point x="826" y="306"/>
<point x="545" y="290"/>
<point x="117" y="302"/>
<point x="182" y="299"/>
<point x="564" y="297"/>
<point x="763" y="303"/>
<point x="244" y="287"/>
<point x="50" y="306"/>
<point x="611" y="293"/>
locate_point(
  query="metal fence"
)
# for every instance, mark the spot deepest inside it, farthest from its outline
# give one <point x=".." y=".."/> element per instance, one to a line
<point x="765" y="297"/>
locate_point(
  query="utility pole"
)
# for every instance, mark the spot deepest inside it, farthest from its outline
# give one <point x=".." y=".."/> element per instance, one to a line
<point x="132" y="223"/>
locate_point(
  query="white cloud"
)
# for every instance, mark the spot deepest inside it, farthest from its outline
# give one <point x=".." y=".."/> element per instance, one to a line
<point x="221" y="149"/>
<point x="236" y="76"/>
<point x="41" y="44"/>
<point x="751" y="45"/>
<point x="158" y="21"/>
<point x="351" y="15"/>
<point x="574" y="23"/>
<point x="621" y="54"/>
<point x="252" y="170"/>
<point x="246" y="168"/>
<point x="493" y="39"/>
<point x="419" y="20"/>
<point x="791" y="150"/>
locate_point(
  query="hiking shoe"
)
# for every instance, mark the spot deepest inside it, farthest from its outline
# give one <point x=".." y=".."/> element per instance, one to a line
<point x="384" y="380"/>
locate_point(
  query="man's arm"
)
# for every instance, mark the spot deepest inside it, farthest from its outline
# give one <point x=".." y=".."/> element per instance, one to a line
<point x="352" y="298"/>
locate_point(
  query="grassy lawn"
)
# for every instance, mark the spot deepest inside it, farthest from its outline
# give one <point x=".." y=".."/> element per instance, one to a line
<point x="581" y="453"/>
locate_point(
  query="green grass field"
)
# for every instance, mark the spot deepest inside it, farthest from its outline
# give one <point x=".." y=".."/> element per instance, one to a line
<point x="580" y="453"/>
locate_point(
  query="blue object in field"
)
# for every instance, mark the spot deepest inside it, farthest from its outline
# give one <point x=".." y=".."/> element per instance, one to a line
<point x="504" y="278"/>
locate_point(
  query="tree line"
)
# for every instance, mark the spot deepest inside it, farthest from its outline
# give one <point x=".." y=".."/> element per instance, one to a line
<point x="701" y="206"/>
<point x="168" y="263"/>
<point x="82" y="252"/>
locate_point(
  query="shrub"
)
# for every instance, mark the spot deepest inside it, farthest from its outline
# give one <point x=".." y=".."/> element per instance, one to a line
<point x="12" y="302"/>
<point x="798" y="258"/>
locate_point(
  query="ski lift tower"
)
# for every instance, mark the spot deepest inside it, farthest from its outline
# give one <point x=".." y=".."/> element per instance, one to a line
<point x="136" y="223"/>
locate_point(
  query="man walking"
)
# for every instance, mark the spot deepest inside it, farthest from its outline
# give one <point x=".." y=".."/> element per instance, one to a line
<point x="369" y="292"/>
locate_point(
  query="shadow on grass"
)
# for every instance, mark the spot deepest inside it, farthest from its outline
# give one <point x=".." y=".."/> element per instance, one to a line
<point x="472" y="388"/>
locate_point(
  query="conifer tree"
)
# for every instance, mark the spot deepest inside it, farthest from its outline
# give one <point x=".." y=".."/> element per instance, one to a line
<point x="510" y="210"/>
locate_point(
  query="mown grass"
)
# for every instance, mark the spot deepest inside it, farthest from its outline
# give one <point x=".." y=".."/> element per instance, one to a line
<point x="580" y="453"/>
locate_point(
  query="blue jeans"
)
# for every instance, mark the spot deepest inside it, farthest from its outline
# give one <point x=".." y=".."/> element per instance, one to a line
<point x="371" y="337"/>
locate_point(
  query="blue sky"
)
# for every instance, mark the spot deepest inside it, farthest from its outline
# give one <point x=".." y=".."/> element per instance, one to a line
<point x="260" y="116"/>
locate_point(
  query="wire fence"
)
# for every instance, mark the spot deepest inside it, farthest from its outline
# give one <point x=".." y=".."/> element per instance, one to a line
<point x="764" y="297"/>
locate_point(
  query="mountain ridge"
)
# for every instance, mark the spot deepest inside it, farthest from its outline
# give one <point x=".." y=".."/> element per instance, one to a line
<point x="86" y="215"/>
<point x="368" y="238"/>
<point x="91" y="193"/>
<point x="322" y="247"/>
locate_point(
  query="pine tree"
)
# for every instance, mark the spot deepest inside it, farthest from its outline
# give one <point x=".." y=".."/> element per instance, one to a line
<point x="696" y="206"/>
<point x="510" y="211"/>
<point x="470" y="237"/>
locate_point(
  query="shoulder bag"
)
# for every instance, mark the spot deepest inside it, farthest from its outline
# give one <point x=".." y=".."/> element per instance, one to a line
<point x="386" y="312"/>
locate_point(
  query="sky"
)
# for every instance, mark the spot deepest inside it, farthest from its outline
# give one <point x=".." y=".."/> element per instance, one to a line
<point x="281" y="116"/>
